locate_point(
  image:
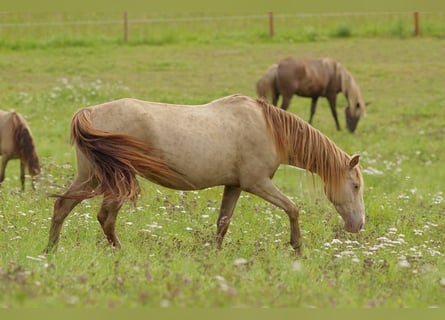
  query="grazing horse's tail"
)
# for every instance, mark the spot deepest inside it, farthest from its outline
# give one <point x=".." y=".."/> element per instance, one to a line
<point x="266" y="86"/>
<point x="25" y="145"/>
<point x="116" y="159"/>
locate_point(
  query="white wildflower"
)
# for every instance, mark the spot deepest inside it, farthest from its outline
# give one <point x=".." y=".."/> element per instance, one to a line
<point x="239" y="262"/>
<point x="297" y="266"/>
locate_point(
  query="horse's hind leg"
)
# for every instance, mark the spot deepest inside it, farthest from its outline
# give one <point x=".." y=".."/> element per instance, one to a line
<point x="285" y="101"/>
<point x="275" y="97"/>
<point x="228" y="203"/>
<point x="62" y="207"/>
<point x="107" y="218"/>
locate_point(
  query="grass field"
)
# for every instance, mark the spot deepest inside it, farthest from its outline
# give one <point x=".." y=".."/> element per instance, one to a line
<point x="168" y="258"/>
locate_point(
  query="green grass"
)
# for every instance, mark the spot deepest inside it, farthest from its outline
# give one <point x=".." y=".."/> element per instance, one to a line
<point x="20" y="31"/>
<point x="168" y="257"/>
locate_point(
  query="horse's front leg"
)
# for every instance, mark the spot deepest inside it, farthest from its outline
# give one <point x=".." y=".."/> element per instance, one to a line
<point x="5" y="160"/>
<point x="228" y="203"/>
<point x="313" y="107"/>
<point x="22" y="174"/>
<point x="269" y="192"/>
<point x="33" y="182"/>
<point x="332" y="104"/>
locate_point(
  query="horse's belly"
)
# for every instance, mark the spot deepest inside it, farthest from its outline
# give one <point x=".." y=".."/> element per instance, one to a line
<point x="204" y="169"/>
<point x="200" y="178"/>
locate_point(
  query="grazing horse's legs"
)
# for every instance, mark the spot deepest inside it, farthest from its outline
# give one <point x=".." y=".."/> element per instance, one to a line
<point x="286" y="101"/>
<point x="313" y="107"/>
<point x="332" y="104"/>
<point x="275" y="97"/>
<point x="230" y="197"/>
<point x="33" y="182"/>
<point x="268" y="191"/>
<point x="5" y="159"/>
<point x="62" y="207"/>
<point x="22" y="174"/>
<point x="107" y="218"/>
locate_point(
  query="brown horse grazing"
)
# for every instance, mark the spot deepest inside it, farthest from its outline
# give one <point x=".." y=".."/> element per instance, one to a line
<point x="16" y="142"/>
<point x="314" y="78"/>
<point x="235" y="141"/>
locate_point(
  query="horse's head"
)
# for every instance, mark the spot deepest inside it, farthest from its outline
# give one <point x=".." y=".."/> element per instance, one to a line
<point x="356" y="106"/>
<point x="353" y="114"/>
<point x="347" y="196"/>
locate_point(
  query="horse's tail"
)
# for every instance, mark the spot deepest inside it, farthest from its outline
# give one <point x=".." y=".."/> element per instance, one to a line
<point x="266" y="86"/>
<point x="25" y="145"/>
<point x="116" y="159"/>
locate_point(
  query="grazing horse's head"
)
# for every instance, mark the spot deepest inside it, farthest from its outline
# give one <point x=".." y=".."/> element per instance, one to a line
<point x="356" y="106"/>
<point x="347" y="196"/>
<point x="353" y="113"/>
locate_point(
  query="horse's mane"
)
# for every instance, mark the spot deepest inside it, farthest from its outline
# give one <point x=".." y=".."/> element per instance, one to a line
<point x="347" y="82"/>
<point x="301" y="145"/>
<point x="25" y="144"/>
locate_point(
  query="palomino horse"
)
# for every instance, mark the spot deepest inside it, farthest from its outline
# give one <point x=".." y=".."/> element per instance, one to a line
<point x="313" y="79"/>
<point x="235" y="141"/>
<point x="16" y="142"/>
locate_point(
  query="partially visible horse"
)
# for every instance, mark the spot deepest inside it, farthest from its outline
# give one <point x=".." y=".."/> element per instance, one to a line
<point x="236" y="141"/>
<point x="16" y="142"/>
<point x="314" y="78"/>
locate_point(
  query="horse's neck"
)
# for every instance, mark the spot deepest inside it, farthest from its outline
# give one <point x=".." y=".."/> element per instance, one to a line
<point x="348" y="85"/>
<point x="299" y="144"/>
<point x="344" y="80"/>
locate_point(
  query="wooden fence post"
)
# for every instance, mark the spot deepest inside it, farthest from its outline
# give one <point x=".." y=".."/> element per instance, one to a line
<point x="125" y="27"/>
<point x="416" y="24"/>
<point x="271" y="25"/>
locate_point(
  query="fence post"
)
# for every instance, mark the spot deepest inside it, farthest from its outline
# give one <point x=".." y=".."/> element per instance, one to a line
<point x="416" y="24"/>
<point x="271" y="25"/>
<point x="125" y="27"/>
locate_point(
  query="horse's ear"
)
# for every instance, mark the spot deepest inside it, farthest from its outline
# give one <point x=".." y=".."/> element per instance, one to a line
<point x="354" y="161"/>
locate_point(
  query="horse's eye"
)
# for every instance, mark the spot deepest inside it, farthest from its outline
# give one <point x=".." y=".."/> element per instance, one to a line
<point x="356" y="186"/>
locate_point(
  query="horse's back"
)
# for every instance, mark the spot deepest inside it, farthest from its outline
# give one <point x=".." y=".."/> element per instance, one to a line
<point x="305" y="77"/>
<point x="144" y="119"/>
